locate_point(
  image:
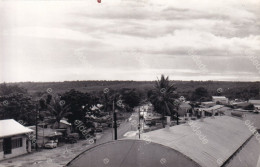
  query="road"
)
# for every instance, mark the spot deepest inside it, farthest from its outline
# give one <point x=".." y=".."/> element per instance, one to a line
<point x="60" y="156"/>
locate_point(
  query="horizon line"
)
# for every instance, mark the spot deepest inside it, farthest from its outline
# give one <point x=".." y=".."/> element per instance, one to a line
<point x="122" y="81"/>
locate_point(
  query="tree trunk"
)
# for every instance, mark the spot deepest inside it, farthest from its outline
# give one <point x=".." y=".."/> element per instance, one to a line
<point x="58" y="124"/>
<point x="163" y="115"/>
<point x="163" y="122"/>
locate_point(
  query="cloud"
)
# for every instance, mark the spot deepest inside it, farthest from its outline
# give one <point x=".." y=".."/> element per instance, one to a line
<point x="129" y="39"/>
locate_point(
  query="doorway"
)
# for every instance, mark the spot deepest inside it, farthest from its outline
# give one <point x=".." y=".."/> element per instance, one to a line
<point x="7" y="145"/>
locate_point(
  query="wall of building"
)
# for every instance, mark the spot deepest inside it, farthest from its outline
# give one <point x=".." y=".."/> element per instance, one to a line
<point x="15" y="151"/>
<point x="208" y="104"/>
<point x="1" y="149"/>
<point x="221" y="100"/>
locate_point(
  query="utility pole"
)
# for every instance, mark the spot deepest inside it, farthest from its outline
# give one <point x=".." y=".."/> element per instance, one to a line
<point x="36" y="125"/>
<point x="115" y="121"/>
<point x="177" y="118"/>
<point x="43" y="133"/>
<point x="139" y="125"/>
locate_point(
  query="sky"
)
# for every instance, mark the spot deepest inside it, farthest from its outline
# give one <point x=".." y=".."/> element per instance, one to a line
<point x="68" y="40"/>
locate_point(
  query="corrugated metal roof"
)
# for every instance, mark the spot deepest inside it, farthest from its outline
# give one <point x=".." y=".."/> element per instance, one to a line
<point x="208" y="102"/>
<point x="248" y="156"/>
<point x="224" y="134"/>
<point x="229" y="142"/>
<point x="10" y="127"/>
<point x="213" y="108"/>
<point x="131" y="153"/>
<point x="183" y="104"/>
<point x="254" y="101"/>
<point x="219" y="97"/>
<point x="65" y="122"/>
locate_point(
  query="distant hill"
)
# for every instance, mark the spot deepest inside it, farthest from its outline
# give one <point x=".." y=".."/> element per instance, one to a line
<point x="185" y="88"/>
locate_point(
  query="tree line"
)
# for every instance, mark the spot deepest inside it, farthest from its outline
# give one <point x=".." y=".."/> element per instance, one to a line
<point x="16" y="103"/>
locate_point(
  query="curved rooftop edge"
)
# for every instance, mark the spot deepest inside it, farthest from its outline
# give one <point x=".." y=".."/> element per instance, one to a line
<point x="212" y="142"/>
<point x="129" y="153"/>
<point x="230" y="143"/>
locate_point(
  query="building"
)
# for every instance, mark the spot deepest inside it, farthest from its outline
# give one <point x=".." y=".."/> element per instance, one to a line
<point x="13" y="139"/>
<point x="240" y="104"/>
<point x="215" y="110"/>
<point x="255" y="102"/>
<point x="184" y="108"/>
<point x="208" y="104"/>
<point x="220" y="99"/>
<point x="45" y="134"/>
<point x="65" y="127"/>
<point x="221" y="142"/>
<point x="257" y="107"/>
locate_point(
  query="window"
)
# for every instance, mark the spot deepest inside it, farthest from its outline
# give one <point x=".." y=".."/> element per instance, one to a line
<point x="16" y="143"/>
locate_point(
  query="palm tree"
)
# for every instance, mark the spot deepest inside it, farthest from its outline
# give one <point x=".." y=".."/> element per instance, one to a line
<point x="58" y="109"/>
<point x="109" y="99"/>
<point x="163" y="97"/>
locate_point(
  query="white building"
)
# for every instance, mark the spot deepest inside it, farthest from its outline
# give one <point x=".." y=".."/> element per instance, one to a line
<point x="208" y="104"/>
<point x="255" y="102"/>
<point x="220" y="99"/>
<point x="13" y="139"/>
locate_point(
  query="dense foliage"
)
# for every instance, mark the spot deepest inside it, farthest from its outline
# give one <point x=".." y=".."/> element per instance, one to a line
<point x="163" y="97"/>
<point x="18" y="101"/>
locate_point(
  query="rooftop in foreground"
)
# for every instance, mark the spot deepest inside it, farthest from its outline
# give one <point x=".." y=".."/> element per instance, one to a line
<point x="230" y="144"/>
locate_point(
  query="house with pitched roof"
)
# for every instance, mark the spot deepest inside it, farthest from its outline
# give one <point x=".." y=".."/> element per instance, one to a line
<point x="13" y="139"/>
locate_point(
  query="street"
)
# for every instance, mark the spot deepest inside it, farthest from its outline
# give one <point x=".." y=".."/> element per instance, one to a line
<point x="60" y="156"/>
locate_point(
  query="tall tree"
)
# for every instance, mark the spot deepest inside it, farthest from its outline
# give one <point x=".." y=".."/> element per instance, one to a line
<point x="58" y="109"/>
<point x="80" y="103"/>
<point x="111" y="97"/>
<point x="130" y="97"/>
<point x="16" y="104"/>
<point x="163" y="97"/>
<point x="200" y="94"/>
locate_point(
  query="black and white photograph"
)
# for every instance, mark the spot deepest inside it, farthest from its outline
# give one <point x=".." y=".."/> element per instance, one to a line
<point x="129" y="83"/>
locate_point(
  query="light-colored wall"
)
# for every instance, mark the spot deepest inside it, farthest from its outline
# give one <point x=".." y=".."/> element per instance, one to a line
<point x="208" y="104"/>
<point x="221" y="100"/>
<point x="16" y="151"/>
<point x="1" y="152"/>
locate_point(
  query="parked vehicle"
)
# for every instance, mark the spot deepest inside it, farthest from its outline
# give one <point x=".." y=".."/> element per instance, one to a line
<point x="71" y="140"/>
<point x="98" y="130"/>
<point x="51" y="144"/>
<point x="150" y="122"/>
<point x="112" y="125"/>
<point x="237" y="114"/>
<point x="73" y="135"/>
